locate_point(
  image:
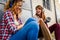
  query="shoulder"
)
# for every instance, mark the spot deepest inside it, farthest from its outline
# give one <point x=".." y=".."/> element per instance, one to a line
<point x="8" y="13"/>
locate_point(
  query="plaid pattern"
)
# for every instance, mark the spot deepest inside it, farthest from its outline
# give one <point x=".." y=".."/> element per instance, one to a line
<point x="7" y="27"/>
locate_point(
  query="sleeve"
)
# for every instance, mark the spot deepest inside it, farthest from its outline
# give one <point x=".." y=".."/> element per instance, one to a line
<point x="8" y="17"/>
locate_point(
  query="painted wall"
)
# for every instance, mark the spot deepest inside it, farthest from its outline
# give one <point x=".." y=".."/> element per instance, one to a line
<point x="57" y="2"/>
<point x="48" y="13"/>
<point x="27" y="10"/>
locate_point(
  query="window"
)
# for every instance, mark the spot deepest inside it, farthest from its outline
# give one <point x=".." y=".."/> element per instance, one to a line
<point x="46" y="4"/>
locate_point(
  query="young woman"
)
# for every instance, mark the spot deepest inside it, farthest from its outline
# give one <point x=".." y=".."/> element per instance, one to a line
<point x="55" y="27"/>
<point x="12" y="27"/>
<point x="39" y="14"/>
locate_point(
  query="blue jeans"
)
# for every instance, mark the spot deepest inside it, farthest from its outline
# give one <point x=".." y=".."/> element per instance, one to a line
<point x="28" y="32"/>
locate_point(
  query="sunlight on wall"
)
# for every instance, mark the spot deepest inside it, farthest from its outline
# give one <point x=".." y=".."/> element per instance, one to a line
<point x="59" y="1"/>
<point x="58" y="15"/>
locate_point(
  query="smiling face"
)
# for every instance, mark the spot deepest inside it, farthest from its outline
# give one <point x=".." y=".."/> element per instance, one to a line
<point x="17" y="7"/>
<point x="38" y="11"/>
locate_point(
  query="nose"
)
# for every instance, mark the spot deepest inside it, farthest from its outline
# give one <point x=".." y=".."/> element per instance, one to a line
<point x="20" y="7"/>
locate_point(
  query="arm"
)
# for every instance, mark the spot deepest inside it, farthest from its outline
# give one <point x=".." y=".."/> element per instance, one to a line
<point x="20" y="26"/>
<point x="45" y="30"/>
<point x="10" y="22"/>
<point x="8" y="19"/>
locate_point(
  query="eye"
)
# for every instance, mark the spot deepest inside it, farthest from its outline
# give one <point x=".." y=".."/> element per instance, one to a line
<point x="19" y="5"/>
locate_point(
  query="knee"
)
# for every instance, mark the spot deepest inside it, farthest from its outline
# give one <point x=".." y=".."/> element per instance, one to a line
<point x="32" y="19"/>
<point x="29" y="20"/>
<point x="34" y="25"/>
<point x="56" y="24"/>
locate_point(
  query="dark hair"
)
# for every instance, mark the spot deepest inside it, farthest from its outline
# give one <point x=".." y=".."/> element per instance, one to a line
<point x="13" y="1"/>
<point x="10" y="3"/>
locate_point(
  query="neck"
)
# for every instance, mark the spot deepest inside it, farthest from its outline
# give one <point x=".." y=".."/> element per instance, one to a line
<point x="16" y="16"/>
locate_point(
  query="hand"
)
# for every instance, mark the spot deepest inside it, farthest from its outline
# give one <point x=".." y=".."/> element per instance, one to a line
<point x="40" y="20"/>
<point x="20" y="26"/>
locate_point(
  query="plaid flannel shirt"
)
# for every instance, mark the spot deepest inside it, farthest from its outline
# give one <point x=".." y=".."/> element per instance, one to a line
<point x="7" y="27"/>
